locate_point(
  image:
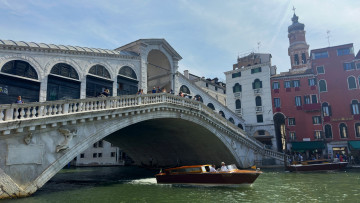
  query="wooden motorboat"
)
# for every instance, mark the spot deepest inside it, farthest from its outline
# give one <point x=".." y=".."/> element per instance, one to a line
<point x="201" y="175"/>
<point x="316" y="165"/>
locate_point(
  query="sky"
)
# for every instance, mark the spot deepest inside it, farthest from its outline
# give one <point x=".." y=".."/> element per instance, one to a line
<point x="208" y="34"/>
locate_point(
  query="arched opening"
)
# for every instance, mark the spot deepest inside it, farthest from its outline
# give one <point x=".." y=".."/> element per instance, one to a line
<point x="258" y="101"/>
<point x="63" y="83"/>
<point x="199" y="98"/>
<point x="184" y="89"/>
<point x="326" y="109"/>
<point x="97" y="80"/>
<point x="158" y="71"/>
<point x="328" y="131"/>
<point x="343" y="130"/>
<point x="280" y="132"/>
<point x="238" y="104"/>
<point x="222" y="114"/>
<point x="257" y="84"/>
<point x="240" y="126"/>
<point x="231" y="120"/>
<point x="211" y="106"/>
<point x="18" y="78"/>
<point x="322" y="86"/>
<point x="127" y="83"/>
<point x="351" y="82"/>
<point x="237" y="88"/>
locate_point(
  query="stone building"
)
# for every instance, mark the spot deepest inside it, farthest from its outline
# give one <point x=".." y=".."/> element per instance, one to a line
<point x="248" y="94"/>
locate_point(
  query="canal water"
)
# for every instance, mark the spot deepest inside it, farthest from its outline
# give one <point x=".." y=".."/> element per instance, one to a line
<point x="133" y="184"/>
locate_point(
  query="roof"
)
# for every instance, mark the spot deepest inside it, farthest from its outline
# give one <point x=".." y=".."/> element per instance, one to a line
<point x="11" y="43"/>
<point x="295" y="72"/>
<point x="333" y="47"/>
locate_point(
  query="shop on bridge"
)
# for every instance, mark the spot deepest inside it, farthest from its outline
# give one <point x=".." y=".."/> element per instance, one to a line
<point x="127" y="83"/>
<point x="97" y="81"/>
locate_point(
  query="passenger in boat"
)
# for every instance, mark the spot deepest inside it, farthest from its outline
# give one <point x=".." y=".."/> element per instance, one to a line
<point x="223" y="167"/>
<point x="212" y="169"/>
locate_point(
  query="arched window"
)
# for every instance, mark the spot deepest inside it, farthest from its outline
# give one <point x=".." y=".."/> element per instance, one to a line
<point x="199" y="98"/>
<point x="258" y="101"/>
<point x="222" y="113"/>
<point x="65" y="70"/>
<point x="237" y="88"/>
<point x="326" y="109"/>
<point x="20" y="68"/>
<point x="257" y="84"/>
<point x="354" y="107"/>
<point x="238" y="104"/>
<point x="328" y="131"/>
<point x="322" y="86"/>
<point x="351" y="82"/>
<point x="184" y="89"/>
<point x="211" y="106"/>
<point x="240" y="126"/>
<point x="127" y="72"/>
<point x="99" y="70"/>
<point x="343" y="130"/>
<point x="357" y="129"/>
<point x="232" y="120"/>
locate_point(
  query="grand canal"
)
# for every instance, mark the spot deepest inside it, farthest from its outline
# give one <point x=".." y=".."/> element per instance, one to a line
<point x="132" y="184"/>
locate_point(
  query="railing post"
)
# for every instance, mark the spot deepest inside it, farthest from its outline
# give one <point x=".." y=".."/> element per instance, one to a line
<point x="163" y="98"/>
<point x="139" y="100"/>
<point x="66" y="108"/>
<point x="9" y="113"/>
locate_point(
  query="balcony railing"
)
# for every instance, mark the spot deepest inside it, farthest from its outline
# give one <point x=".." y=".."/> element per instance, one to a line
<point x="238" y="112"/>
<point x="237" y="94"/>
<point x="258" y="91"/>
<point x="312" y="107"/>
<point x="258" y="109"/>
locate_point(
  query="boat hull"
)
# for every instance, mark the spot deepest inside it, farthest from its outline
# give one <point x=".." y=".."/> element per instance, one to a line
<point x="317" y="167"/>
<point x="215" y="179"/>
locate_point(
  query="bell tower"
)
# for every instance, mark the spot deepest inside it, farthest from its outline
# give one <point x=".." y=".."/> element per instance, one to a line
<point x="298" y="49"/>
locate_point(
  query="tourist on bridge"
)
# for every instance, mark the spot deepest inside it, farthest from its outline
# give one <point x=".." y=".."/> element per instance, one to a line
<point x="153" y="90"/>
<point x="19" y="101"/>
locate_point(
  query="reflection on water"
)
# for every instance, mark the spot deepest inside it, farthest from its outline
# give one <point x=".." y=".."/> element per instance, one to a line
<point x="132" y="184"/>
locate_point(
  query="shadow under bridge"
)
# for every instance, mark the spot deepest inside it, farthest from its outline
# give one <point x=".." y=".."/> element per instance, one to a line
<point x="170" y="142"/>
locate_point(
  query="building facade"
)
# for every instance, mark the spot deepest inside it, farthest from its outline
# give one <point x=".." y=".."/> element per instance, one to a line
<point x="248" y="94"/>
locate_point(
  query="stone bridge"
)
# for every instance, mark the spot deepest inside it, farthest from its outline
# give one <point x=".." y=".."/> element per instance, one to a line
<point x="39" y="139"/>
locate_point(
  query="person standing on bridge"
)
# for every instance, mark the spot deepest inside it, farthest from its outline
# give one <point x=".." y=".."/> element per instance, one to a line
<point x="153" y="90"/>
<point x="19" y="101"/>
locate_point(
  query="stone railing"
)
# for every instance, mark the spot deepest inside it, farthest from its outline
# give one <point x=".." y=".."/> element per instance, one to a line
<point x="274" y="154"/>
<point x="43" y="110"/>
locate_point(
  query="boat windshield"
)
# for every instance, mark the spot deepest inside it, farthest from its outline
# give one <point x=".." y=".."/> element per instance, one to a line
<point x="232" y="167"/>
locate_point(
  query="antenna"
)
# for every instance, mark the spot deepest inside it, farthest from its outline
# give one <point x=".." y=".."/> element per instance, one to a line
<point x="328" y="36"/>
<point x="258" y="46"/>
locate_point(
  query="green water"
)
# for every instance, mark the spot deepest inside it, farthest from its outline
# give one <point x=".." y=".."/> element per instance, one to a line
<point x="132" y="184"/>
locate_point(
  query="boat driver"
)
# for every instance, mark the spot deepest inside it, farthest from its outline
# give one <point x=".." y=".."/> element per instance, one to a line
<point x="223" y="167"/>
<point x="212" y="169"/>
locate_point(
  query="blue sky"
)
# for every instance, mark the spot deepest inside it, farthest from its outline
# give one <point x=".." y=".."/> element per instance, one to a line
<point x="208" y="34"/>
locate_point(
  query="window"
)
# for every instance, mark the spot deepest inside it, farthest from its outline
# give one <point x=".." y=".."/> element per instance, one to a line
<point x="211" y="106"/>
<point x="257" y="84"/>
<point x="240" y="126"/>
<point x="326" y="109"/>
<point x="287" y="84"/>
<point x="256" y="70"/>
<point x="320" y="55"/>
<point x="258" y="101"/>
<point x="292" y="136"/>
<point x="184" y="89"/>
<point x="316" y="119"/>
<point x="237" y="88"/>
<point x="100" y="70"/>
<point x="216" y="88"/>
<point x="112" y="154"/>
<point x="343" y="130"/>
<point x="307" y="99"/>
<point x="277" y="102"/>
<point x="317" y="135"/>
<point x="351" y="82"/>
<point x="65" y="70"/>
<point x="291" y="121"/>
<point x="20" y="68"/>
<point x="235" y="75"/>
<point x="94" y="155"/>
<point x="100" y="155"/>
<point x="358" y="66"/>
<point x="296" y="59"/>
<point x="322" y="86"/>
<point x="312" y="81"/>
<point x="328" y="131"/>
<point x="127" y="72"/>
<point x="343" y="51"/>
<point x="357" y="129"/>
<point x="314" y="99"/>
<point x="320" y="70"/>
<point x="238" y="104"/>
<point x="303" y="58"/>
<point x="222" y="113"/>
<point x="298" y="100"/>
<point x="276" y="85"/>
<point x="232" y="120"/>
<point x="261" y="132"/>
<point x="354" y="107"/>
<point x="349" y="66"/>
<point x="100" y="143"/>
<point x="259" y="118"/>
<point x="296" y="83"/>
<point x="95" y="145"/>
<point x="82" y="155"/>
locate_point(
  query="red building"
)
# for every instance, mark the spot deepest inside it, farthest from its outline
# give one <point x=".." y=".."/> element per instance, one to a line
<point x="316" y="103"/>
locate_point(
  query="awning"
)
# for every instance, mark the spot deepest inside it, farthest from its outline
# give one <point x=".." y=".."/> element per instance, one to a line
<point x="297" y="146"/>
<point x="354" y="145"/>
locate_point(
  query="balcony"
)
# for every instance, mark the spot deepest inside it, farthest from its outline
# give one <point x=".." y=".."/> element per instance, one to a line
<point x="276" y="90"/>
<point x="257" y="91"/>
<point x="357" y="117"/>
<point x="237" y="94"/>
<point x="312" y="107"/>
<point x="238" y="112"/>
<point x="288" y="89"/>
<point x="297" y="88"/>
<point x="258" y="109"/>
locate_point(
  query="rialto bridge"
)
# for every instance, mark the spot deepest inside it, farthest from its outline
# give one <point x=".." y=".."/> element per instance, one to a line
<point x="37" y="139"/>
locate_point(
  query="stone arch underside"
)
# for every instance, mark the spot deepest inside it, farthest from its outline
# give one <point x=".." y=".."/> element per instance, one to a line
<point x="159" y="73"/>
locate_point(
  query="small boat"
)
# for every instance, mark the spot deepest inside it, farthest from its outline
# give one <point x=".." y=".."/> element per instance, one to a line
<point x="201" y="175"/>
<point x="316" y="165"/>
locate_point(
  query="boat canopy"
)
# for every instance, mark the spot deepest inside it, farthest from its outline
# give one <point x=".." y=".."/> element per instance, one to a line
<point x="311" y="145"/>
